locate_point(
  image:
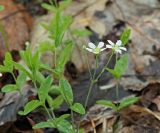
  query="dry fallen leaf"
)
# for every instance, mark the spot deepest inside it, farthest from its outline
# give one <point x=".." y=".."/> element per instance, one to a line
<point x="15" y="24"/>
<point x="157" y="102"/>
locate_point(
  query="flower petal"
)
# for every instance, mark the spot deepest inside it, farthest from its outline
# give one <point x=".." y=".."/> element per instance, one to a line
<point x="118" y="51"/>
<point x="119" y="43"/>
<point x="100" y="45"/>
<point x="89" y="49"/>
<point x="110" y="42"/>
<point x="103" y="49"/>
<point x="109" y="46"/>
<point x="123" y="48"/>
<point x="91" y="45"/>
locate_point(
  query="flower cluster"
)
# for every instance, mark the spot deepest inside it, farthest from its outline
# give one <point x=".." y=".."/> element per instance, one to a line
<point x="116" y="47"/>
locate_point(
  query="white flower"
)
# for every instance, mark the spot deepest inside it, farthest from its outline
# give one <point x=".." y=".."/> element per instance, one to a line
<point x="116" y="47"/>
<point x="0" y="74"/>
<point x="95" y="49"/>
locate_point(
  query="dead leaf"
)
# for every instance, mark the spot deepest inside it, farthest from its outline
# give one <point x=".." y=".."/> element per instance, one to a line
<point x="15" y="24"/>
<point x="157" y="102"/>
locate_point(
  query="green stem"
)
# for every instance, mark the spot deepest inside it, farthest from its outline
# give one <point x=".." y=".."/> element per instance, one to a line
<point x="72" y="118"/>
<point x="117" y="91"/>
<point x="92" y="83"/>
<point x="14" y="77"/>
<point x="53" y="115"/>
<point x="88" y="94"/>
<point x="105" y="66"/>
<point x="50" y="116"/>
<point x="55" y="58"/>
<point x="89" y="69"/>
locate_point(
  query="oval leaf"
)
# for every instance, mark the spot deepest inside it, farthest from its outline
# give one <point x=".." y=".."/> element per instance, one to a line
<point x="66" y="91"/>
<point x="47" y="124"/>
<point x="30" y="106"/>
<point x="9" y="88"/>
<point x="125" y="36"/>
<point x="128" y="101"/>
<point x="44" y="88"/>
<point x="77" y="107"/>
<point x="107" y="103"/>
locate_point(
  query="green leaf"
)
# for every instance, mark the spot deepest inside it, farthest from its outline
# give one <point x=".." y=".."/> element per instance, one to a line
<point x="120" y="67"/>
<point x="113" y="72"/>
<point x="49" y="7"/>
<point x="66" y="91"/>
<point x="9" y="88"/>
<point x="46" y="46"/>
<point x="64" y="56"/>
<point x="61" y="118"/>
<point x="64" y="4"/>
<point x="35" y="61"/>
<point x="64" y="126"/>
<point x="55" y="103"/>
<point x="22" y="68"/>
<point x="8" y="62"/>
<point x="66" y="22"/>
<point x="21" y="79"/>
<point x="47" y="124"/>
<point x="77" y="107"/>
<point x="127" y="101"/>
<point x="125" y="36"/>
<point x="30" y="106"/>
<point x="81" y="131"/>
<point x="39" y="77"/>
<point x="26" y="56"/>
<point x="55" y="90"/>
<point x="81" y="32"/>
<point x="1" y="7"/>
<point x="107" y="103"/>
<point x="44" y="89"/>
<point x="3" y="69"/>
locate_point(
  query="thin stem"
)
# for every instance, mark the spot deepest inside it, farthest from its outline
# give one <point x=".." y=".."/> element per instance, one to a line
<point x="53" y="115"/>
<point x="55" y="58"/>
<point x="72" y="118"/>
<point x="88" y="94"/>
<point x="92" y="83"/>
<point x="105" y="66"/>
<point x="14" y="77"/>
<point x="117" y="90"/>
<point x="47" y="112"/>
<point x="89" y="69"/>
<point x="35" y="85"/>
<point x="50" y="116"/>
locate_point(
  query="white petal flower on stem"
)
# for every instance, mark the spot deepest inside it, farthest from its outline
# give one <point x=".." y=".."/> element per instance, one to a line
<point x="116" y="47"/>
<point x="95" y="49"/>
<point x="0" y="74"/>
